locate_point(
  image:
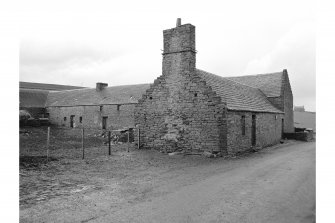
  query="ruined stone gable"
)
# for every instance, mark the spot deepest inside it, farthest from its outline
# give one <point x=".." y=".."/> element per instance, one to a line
<point x="179" y="111"/>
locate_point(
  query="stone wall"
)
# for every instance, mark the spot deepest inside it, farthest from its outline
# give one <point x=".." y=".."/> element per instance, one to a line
<point x="179" y="111"/>
<point x="288" y="104"/>
<point x="301" y="136"/>
<point x="118" y="118"/>
<point x="268" y="130"/>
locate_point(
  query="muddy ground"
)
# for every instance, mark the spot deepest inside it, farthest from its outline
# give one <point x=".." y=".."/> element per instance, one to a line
<point x="148" y="186"/>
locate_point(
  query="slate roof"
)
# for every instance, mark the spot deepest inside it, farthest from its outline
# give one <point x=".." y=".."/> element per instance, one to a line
<point x="89" y="96"/>
<point x="33" y="98"/>
<point x="238" y="96"/>
<point x="49" y="87"/>
<point x="270" y="83"/>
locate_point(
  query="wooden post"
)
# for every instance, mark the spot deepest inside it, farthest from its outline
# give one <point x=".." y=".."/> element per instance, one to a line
<point x="109" y="142"/>
<point x="138" y="135"/>
<point x="128" y="140"/>
<point x="82" y="142"/>
<point x="48" y="142"/>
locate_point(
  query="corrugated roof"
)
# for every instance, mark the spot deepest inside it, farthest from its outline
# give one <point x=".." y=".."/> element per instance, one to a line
<point x="50" y="87"/>
<point x="89" y="96"/>
<point x="33" y="98"/>
<point x="238" y="96"/>
<point x="269" y="83"/>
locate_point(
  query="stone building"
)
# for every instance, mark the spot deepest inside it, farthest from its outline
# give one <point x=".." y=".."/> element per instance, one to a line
<point x="185" y="108"/>
<point x="102" y="107"/>
<point x="190" y="109"/>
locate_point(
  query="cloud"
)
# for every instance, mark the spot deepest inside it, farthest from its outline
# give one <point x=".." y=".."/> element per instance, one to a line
<point x="295" y="51"/>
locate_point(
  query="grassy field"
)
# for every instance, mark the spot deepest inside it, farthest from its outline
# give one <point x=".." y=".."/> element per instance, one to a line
<point x="67" y="173"/>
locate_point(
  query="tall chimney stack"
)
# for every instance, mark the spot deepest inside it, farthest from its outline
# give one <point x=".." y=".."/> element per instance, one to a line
<point x="178" y="23"/>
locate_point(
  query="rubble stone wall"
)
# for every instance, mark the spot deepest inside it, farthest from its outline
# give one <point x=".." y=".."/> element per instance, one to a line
<point x="179" y="111"/>
<point x="268" y="130"/>
<point x="92" y="116"/>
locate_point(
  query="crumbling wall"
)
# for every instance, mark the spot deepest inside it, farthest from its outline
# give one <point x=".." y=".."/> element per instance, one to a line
<point x="181" y="112"/>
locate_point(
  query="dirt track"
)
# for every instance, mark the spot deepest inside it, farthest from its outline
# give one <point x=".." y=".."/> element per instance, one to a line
<point x="274" y="185"/>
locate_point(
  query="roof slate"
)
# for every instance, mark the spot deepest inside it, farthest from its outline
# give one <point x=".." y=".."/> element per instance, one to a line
<point x="89" y="96"/>
<point x="33" y="98"/>
<point x="238" y="96"/>
<point x="269" y="83"/>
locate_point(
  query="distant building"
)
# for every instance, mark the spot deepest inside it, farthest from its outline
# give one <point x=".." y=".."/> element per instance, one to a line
<point x="33" y="96"/>
<point x="299" y="108"/>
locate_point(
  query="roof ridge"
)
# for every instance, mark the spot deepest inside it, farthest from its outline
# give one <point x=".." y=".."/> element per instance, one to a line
<point x="230" y="80"/>
<point x="253" y="75"/>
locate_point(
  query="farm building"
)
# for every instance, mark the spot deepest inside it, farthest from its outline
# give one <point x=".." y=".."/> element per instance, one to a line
<point x="190" y="109"/>
<point x="103" y="107"/>
<point x="185" y="108"/>
<point x="33" y="96"/>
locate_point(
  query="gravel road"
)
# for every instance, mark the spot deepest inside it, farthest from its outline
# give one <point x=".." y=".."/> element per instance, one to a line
<point x="276" y="184"/>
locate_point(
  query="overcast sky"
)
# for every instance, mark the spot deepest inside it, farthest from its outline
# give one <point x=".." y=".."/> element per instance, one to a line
<point x="120" y="42"/>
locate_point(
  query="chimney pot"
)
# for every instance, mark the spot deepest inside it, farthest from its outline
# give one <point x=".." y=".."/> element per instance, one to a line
<point x="100" y="86"/>
<point x="178" y="22"/>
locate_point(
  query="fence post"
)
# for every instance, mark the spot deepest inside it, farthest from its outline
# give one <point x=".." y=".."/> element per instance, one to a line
<point x="82" y="142"/>
<point x="48" y="142"/>
<point x="138" y="135"/>
<point x="109" y="142"/>
<point x="128" y="140"/>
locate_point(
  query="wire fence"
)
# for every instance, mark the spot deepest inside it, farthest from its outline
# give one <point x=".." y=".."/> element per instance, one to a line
<point x="75" y="143"/>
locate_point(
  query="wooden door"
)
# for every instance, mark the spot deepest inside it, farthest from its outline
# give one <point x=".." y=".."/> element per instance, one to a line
<point x="71" y="121"/>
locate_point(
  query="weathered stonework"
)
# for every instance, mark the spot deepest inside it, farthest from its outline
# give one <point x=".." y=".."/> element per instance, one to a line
<point x="268" y="130"/>
<point x="92" y="116"/>
<point x="180" y="111"/>
<point x="285" y="103"/>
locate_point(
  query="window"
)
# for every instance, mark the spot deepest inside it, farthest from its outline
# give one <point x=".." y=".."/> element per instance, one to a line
<point x="101" y="108"/>
<point x="81" y="119"/>
<point x="195" y="95"/>
<point x="150" y="98"/>
<point x="64" y="119"/>
<point x="104" y="122"/>
<point x="118" y="107"/>
<point x="243" y="124"/>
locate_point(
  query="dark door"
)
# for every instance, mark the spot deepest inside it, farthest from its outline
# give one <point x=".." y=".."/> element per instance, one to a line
<point x="282" y="128"/>
<point x="104" y="122"/>
<point x="71" y="121"/>
<point x="253" y="130"/>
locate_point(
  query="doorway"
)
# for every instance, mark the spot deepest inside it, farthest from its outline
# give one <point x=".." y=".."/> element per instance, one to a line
<point x="104" y="122"/>
<point x="282" y="128"/>
<point x="71" y="121"/>
<point x="253" y="130"/>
